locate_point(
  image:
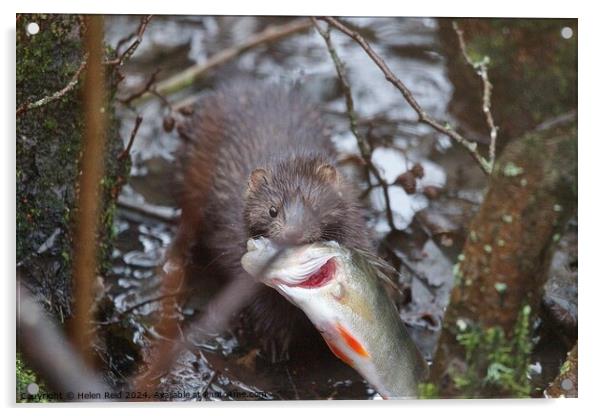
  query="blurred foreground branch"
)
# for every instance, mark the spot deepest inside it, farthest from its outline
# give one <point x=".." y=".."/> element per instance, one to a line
<point x="216" y="318"/>
<point x="50" y="354"/>
<point x="92" y="168"/>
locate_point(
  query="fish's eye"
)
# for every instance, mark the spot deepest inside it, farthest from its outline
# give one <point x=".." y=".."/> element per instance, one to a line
<point x="273" y="212"/>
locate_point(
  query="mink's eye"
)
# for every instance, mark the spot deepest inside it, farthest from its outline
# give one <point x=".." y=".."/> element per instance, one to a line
<point x="273" y="212"/>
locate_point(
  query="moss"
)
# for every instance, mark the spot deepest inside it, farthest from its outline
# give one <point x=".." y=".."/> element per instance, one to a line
<point x="457" y="272"/>
<point x="495" y="362"/>
<point x="47" y="149"/>
<point x="49" y="143"/>
<point x="501" y="287"/>
<point x="531" y="83"/>
<point x="566" y="366"/>
<point x="473" y="236"/>
<point x="26" y="377"/>
<point x="540" y="81"/>
<point x="427" y="391"/>
<point x="512" y="170"/>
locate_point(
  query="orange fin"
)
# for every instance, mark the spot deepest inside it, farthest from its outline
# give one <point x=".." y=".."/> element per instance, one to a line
<point x="353" y="343"/>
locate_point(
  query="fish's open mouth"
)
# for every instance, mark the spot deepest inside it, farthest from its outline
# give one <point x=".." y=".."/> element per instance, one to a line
<point x="322" y="276"/>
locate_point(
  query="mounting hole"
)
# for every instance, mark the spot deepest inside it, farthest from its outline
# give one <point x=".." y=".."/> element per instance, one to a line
<point x="33" y="28"/>
<point x="566" y="32"/>
<point x="33" y="389"/>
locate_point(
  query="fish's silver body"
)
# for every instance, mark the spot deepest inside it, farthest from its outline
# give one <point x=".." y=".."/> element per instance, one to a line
<point x="350" y="308"/>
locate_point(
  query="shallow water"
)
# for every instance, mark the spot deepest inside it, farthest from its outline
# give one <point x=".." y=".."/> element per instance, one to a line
<point x="424" y="248"/>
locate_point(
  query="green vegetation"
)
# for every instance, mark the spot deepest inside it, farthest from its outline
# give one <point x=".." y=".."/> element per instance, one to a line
<point x="25" y="377"/>
<point x="494" y="361"/>
<point x="427" y="391"/>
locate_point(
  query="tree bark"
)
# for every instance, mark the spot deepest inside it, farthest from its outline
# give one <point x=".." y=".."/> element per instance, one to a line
<point x="500" y="274"/>
<point x="51" y="63"/>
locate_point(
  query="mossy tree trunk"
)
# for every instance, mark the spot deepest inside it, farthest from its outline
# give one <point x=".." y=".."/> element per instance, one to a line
<point x="48" y="150"/>
<point x="486" y="340"/>
<point x="49" y="140"/>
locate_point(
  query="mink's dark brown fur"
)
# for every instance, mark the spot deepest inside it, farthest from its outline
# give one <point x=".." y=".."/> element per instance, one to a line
<point x="256" y="161"/>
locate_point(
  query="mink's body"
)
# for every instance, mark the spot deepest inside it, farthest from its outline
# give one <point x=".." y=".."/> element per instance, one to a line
<point x="257" y="162"/>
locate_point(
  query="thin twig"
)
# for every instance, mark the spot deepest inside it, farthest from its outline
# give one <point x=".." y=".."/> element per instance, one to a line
<point x="123" y="41"/>
<point x="204" y="389"/>
<point x="416" y="274"/>
<point x="423" y="116"/>
<point x="75" y="79"/>
<point x="188" y="76"/>
<point x="50" y="98"/>
<point x="363" y="145"/>
<point x="126" y="152"/>
<point x="481" y="70"/>
<point x="290" y="379"/>
<point x="145" y="88"/>
<point x="152" y="300"/>
<point x="163" y="100"/>
<point x="144" y="21"/>
<point x="162" y="213"/>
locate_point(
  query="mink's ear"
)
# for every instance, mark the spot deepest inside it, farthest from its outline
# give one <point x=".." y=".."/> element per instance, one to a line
<point x="257" y="178"/>
<point x="328" y="173"/>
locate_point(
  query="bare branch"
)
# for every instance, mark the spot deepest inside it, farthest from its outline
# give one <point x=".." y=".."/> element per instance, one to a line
<point x="352" y="115"/>
<point x="126" y="152"/>
<point x="189" y="75"/>
<point x="481" y="70"/>
<point x="144" y="21"/>
<point x="423" y="116"/>
<point x="50" y="98"/>
<point x="152" y="300"/>
<point x="162" y="213"/>
<point x="75" y="79"/>
<point x="145" y="88"/>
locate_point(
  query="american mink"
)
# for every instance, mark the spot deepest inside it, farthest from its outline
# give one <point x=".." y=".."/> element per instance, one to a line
<point x="257" y="162"/>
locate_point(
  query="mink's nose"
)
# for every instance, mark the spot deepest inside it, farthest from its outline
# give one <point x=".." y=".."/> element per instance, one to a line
<point x="292" y="235"/>
<point x="299" y="222"/>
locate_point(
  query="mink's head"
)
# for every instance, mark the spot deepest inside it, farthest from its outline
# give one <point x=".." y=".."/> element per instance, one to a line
<point x="299" y="201"/>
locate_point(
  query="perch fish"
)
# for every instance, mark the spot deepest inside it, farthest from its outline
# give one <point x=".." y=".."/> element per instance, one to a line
<point x="340" y="292"/>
